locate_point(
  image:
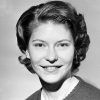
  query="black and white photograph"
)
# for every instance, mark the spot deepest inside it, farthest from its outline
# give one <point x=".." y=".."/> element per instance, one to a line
<point x="49" y="50"/>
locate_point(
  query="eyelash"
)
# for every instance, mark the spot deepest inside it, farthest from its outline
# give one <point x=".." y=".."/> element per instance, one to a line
<point x="58" y="45"/>
<point x="63" y="44"/>
<point x="39" y="45"/>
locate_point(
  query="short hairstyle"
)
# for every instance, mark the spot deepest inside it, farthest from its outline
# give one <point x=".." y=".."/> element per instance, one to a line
<point x="61" y="13"/>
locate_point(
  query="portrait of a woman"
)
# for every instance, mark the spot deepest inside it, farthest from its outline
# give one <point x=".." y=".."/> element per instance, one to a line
<point x="53" y="39"/>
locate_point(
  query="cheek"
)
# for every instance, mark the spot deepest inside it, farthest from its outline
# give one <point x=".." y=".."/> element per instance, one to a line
<point x="67" y="55"/>
<point x="36" y="55"/>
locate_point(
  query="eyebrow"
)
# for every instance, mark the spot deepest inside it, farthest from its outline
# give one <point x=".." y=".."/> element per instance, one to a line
<point x="57" y="41"/>
<point x="38" y="40"/>
<point x="64" y="40"/>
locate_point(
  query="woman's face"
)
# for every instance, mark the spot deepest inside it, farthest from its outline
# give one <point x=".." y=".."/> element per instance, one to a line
<point x="51" y="51"/>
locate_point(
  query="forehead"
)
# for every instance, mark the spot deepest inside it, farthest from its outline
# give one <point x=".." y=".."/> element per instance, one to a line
<point x="50" y="31"/>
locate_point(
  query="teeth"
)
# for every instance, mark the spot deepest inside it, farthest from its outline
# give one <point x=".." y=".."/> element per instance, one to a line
<point x="50" y="68"/>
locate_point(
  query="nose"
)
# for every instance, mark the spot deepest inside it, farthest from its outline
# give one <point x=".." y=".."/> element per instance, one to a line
<point x="52" y="61"/>
<point x="51" y="56"/>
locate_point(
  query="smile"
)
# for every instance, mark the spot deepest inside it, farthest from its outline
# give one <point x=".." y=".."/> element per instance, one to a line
<point x="51" y="68"/>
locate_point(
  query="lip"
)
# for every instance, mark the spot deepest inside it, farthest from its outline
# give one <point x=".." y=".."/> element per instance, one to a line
<point x="46" y="66"/>
<point x="51" y="69"/>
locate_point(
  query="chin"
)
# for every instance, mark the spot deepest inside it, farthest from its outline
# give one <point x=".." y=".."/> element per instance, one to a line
<point x="52" y="84"/>
<point x="50" y="79"/>
<point x="53" y="78"/>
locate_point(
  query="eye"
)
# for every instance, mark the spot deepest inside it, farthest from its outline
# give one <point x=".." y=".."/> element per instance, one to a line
<point x="63" y="45"/>
<point x="39" y="45"/>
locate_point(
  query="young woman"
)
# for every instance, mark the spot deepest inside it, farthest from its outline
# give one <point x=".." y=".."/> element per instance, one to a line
<point x="53" y="39"/>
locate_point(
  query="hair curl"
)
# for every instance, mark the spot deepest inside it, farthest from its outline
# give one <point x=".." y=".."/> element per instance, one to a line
<point x="59" y="12"/>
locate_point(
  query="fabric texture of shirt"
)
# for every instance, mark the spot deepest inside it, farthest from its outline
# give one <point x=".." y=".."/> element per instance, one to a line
<point x="83" y="91"/>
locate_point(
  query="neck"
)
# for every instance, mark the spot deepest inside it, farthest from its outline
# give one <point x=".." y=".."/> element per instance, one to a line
<point x="53" y="87"/>
<point x="62" y="92"/>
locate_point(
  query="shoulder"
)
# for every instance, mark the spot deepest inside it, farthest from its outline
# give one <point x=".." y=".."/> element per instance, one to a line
<point x="88" y="90"/>
<point x="35" y="96"/>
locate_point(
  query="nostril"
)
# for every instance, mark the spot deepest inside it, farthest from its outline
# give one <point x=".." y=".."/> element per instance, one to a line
<point x="52" y="61"/>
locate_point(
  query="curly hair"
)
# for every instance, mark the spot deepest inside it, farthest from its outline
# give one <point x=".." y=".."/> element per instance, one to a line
<point x="59" y="12"/>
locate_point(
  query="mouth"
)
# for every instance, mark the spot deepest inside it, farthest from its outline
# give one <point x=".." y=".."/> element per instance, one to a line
<point x="51" y="68"/>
